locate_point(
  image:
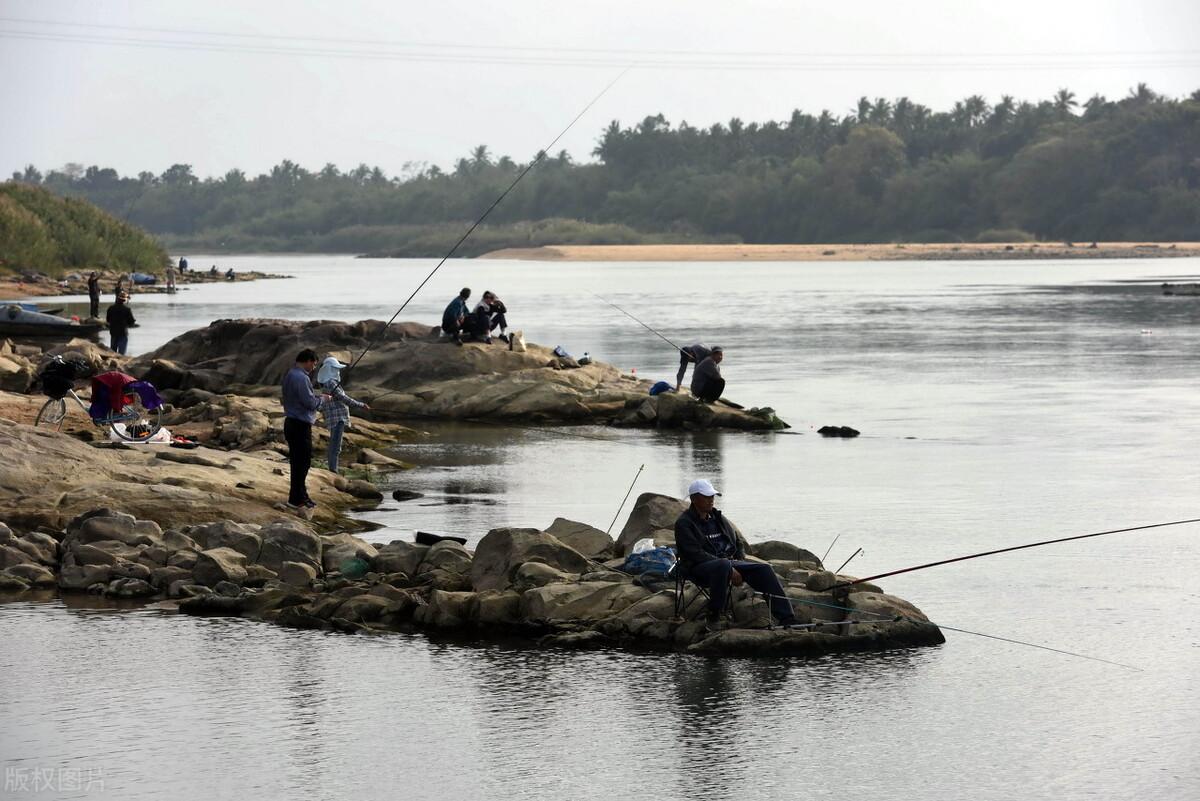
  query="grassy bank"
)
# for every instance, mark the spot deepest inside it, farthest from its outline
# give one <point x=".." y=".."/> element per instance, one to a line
<point x="42" y="232"/>
<point x="433" y="241"/>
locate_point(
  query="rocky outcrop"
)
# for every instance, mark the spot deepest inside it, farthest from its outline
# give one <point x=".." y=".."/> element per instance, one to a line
<point x="50" y="477"/>
<point x="588" y="540"/>
<point x="522" y="582"/>
<point x="409" y="371"/>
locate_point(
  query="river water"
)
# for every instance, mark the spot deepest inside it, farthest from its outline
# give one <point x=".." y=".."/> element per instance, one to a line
<point x="1000" y="403"/>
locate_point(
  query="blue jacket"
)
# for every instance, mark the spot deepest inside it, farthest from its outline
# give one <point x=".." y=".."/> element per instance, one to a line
<point x="299" y="400"/>
<point x="454" y="312"/>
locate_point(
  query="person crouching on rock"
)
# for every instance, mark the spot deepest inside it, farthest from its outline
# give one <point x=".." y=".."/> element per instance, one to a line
<point x="300" y="406"/>
<point x="120" y="318"/>
<point x="707" y="383"/>
<point x="712" y="556"/>
<point x="487" y="317"/>
<point x="690" y="354"/>
<point x="336" y="408"/>
<point x="454" y="315"/>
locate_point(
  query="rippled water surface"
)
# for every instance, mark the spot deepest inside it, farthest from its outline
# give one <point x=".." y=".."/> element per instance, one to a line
<point x="1000" y="403"/>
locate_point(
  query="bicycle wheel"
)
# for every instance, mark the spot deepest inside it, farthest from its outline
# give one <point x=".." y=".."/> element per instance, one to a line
<point x="136" y="423"/>
<point x="52" y="414"/>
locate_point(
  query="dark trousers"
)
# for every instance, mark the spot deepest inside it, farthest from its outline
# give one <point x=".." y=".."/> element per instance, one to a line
<point x="120" y="341"/>
<point x="95" y="310"/>
<point x="498" y="321"/>
<point x="710" y="390"/>
<point x="714" y="576"/>
<point x="299" y="439"/>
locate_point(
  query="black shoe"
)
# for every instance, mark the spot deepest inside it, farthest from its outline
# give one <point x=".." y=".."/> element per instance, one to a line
<point x="714" y="622"/>
<point x="503" y="338"/>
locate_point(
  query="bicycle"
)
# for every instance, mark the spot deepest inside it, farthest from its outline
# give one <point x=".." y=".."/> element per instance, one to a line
<point x="134" y="423"/>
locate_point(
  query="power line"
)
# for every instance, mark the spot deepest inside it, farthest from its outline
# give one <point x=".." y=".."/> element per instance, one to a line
<point x="623" y="53"/>
<point x="871" y="64"/>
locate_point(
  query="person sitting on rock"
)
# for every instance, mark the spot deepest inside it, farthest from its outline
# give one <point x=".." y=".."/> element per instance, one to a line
<point x="712" y="556"/>
<point x="707" y="383"/>
<point x="229" y="274"/>
<point x="690" y="354"/>
<point x="487" y="317"/>
<point x="454" y="315"/>
<point x="213" y="272"/>
<point x="335" y="408"/>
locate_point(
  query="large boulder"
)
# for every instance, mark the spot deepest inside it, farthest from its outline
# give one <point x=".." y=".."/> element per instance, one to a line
<point x="288" y="540"/>
<point x="776" y="550"/>
<point x="585" y="601"/>
<point x="241" y="537"/>
<point x="446" y="566"/>
<point x="399" y="557"/>
<point x="337" y="549"/>
<point x="220" y="564"/>
<point x="653" y="516"/>
<point x="588" y="540"/>
<point x="502" y="550"/>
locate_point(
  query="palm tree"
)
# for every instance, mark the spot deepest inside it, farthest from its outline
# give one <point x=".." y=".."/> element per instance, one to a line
<point x="1094" y="105"/>
<point x="1002" y="112"/>
<point x="977" y="109"/>
<point x="480" y="158"/>
<point x="1142" y="94"/>
<point x="881" y="114"/>
<point x="1064" y="101"/>
<point x="864" y="109"/>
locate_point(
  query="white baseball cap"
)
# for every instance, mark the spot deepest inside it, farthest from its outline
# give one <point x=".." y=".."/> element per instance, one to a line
<point x="702" y="486"/>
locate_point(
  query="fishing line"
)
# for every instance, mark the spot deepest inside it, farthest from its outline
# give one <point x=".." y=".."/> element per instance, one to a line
<point x="541" y="155"/>
<point x="894" y="618"/>
<point x="1015" y="548"/>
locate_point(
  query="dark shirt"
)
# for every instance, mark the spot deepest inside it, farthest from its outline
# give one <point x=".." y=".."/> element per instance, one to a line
<point x="94" y="287"/>
<point x="698" y="541"/>
<point x="119" y="319"/>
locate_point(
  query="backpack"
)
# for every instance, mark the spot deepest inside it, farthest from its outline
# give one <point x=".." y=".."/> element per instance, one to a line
<point x="653" y="562"/>
<point x="58" y="378"/>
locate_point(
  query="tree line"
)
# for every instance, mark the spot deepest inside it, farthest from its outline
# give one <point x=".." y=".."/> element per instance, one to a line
<point x="891" y="170"/>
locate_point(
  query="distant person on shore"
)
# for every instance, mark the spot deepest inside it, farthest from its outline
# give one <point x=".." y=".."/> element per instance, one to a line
<point x="120" y="319"/>
<point x="229" y="274"/>
<point x="336" y="408"/>
<point x="213" y="272"/>
<point x="170" y="278"/>
<point x="691" y="354"/>
<point x="94" y="294"/>
<point x="454" y="316"/>
<point x="488" y="315"/>
<point x="707" y="382"/>
<point x="182" y="265"/>
<point x="119" y="289"/>
<point x="300" y="406"/>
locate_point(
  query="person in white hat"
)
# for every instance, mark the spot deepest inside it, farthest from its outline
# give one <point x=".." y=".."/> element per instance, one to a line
<point x="336" y="407"/>
<point x="711" y="555"/>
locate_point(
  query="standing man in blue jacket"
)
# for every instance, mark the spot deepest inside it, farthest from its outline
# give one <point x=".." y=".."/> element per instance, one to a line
<point x="712" y="556"/>
<point x="300" y="406"/>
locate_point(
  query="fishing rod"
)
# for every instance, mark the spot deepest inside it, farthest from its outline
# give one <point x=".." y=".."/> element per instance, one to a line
<point x="830" y="548"/>
<point x="541" y="155"/>
<point x="639" y="322"/>
<point x="1014" y="548"/>
<point x="623" y="500"/>
<point x="839" y="570"/>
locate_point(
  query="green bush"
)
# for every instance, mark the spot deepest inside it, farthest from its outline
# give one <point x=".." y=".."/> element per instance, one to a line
<point x="1003" y="235"/>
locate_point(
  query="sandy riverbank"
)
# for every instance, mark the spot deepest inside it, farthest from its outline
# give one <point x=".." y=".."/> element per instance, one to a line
<point x="877" y="252"/>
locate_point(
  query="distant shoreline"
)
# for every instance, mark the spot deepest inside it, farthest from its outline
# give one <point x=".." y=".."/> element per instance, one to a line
<point x="1016" y="251"/>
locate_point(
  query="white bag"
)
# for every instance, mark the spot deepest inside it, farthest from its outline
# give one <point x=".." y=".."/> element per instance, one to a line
<point x="517" y="342"/>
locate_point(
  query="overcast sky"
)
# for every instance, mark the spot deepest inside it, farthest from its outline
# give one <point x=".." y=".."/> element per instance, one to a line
<point x="140" y="85"/>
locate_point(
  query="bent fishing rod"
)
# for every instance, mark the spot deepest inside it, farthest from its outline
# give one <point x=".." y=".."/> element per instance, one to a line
<point x="454" y="248"/>
<point x="1012" y="548"/>
<point x="639" y="322"/>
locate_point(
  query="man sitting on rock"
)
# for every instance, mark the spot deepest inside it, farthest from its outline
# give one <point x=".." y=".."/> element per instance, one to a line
<point x="707" y="383"/>
<point x="454" y="315"/>
<point x="711" y="555"/>
<point x="487" y="317"/>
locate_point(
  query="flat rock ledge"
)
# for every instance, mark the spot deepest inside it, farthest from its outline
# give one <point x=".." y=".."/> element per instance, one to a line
<point x="410" y="371"/>
<point x="522" y="583"/>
